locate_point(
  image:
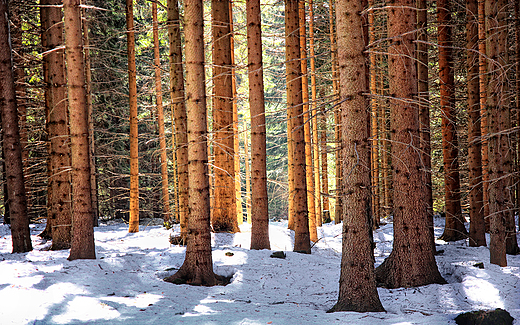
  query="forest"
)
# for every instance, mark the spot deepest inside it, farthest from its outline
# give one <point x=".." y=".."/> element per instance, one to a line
<point x="216" y="145"/>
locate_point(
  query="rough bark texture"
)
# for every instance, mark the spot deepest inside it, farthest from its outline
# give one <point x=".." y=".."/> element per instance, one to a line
<point x="307" y="125"/>
<point x="178" y="108"/>
<point x="294" y="104"/>
<point x="477" y="229"/>
<point x="160" y="116"/>
<point x="454" y="228"/>
<point x="260" y="217"/>
<point x="223" y="216"/>
<point x="59" y="190"/>
<point x="197" y="268"/>
<point x="82" y="245"/>
<point x="357" y="291"/>
<point x="12" y="148"/>
<point x="132" y="93"/>
<point x="412" y="261"/>
<point x="483" y="83"/>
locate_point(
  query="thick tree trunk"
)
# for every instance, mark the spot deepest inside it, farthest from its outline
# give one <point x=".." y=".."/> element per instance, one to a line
<point x="82" y="245"/>
<point x="59" y="208"/>
<point x="477" y="229"/>
<point x="132" y="93"/>
<point x="160" y="116"/>
<point x="357" y="291"/>
<point x="412" y="261"/>
<point x="178" y="108"/>
<point x="12" y="148"/>
<point x="307" y="125"/>
<point x="197" y="268"/>
<point x="223" y="217"/>
<point x="294" y="104"/>
<point x="260" y="217"/>
<point x="454" y="228"/>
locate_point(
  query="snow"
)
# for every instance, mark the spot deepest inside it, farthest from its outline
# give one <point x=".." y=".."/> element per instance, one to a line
<point x="124" y="284"/>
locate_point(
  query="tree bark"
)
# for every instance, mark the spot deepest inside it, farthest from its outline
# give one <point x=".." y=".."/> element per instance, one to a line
<point x="197" y="268"/>
<point x="82" y="245"/>
<point x="337" y="113"/>
<point x="357" y="291"/>
<point x="134" y="144"/>
<point x="477" y="229"/>
<point x="260" y="217"/>
<point x="160" y="116"/>
<point x="12" y="148"/>
<point x="412" y="261"/>
<point x="59" y="208"/>
<point x="294" y="104"/>
<point x="454" y="229"/>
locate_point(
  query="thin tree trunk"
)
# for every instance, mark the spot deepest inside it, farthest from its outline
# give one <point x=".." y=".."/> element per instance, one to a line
<point x="454" y="229"/>
<point x="358" y="291"/>
<point x="477" y="228"/>
<point x="178" y="108"/>
<point x="314" y="112"/>
<point x="337" y="114"/>
<point x="260" y="217"/>
<point x="197" y="268"/>
<point x="134" y="149"/>
<point x="307" y="126"/>
<point x="12" y="148"/>
<point x="248" y="179"/>
<point x="82" y="245"/>
<point x="160" y="116"/>
<point x="517" y="32"/>
<point x="59" y="208"/>
<point x="324" y="166"/>
<point x="294" y="104"/>
<point x="412" y="261"/>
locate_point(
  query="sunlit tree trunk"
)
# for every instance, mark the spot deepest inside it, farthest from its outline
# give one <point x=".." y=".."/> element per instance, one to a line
<point x="178" y="108"/>
<point x="59" y="209"/>
<point x="454" y="228"/>
<point x="224" y="212"/>
<point x="412" y="261"/>
<point x="337" y="113"/>
<point x="260" y="217"/>
<point x="132" y="93"/>
<point x="307" y="126"/>
<point x="294" y="104"/>
<point x="477" y="229"/>
<point x="314" y="112"/>
<point x="197" y="268"/>
<point x="160" y="116"/>
<point x="82" y="245"/>
<point x="12" y="148"/>
<point x="357" y="291"/>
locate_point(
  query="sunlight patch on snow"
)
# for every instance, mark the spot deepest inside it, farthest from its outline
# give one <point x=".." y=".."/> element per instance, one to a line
<point x="482" y="292"/>
<point x="86" y="309"/>
<point x="200" y="310"/>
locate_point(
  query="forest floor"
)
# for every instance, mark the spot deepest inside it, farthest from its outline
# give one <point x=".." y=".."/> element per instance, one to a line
<point x="124" y="284"/>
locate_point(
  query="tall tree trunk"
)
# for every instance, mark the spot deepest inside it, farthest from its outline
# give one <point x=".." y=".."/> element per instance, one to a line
<point x="477" y="229"/>
<point x="314" y="112"/>
<point x="160" y="116"/>
<point x="483" y="84"/>
<point x="324" y="166"/>
<point x="12" y="148"/>
<point x="358" y="291"/>
<point x="337" y="113"/>
<point x="223" y="217"/>
<point x="412" y="261"/>
<point x="454" y="228"/>
<point x="307" y="126"/>
<point x="517" y="33"/>
<point x="424" y="105"/>
<point x="82" y="245"/>
<point x="59" y="208"/>
<point x="134" y="144"/>
<point x="236" y="157"/>
<point x="178" y="108"/>
<point x="294" y="104"/>
<point x="197" y="268"/>
<point x="248" y="178"/>
<point x="260" y="217"/>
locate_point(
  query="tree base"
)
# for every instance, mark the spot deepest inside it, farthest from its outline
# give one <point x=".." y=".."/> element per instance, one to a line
<point x="207" y="280"/>
<point x="357" y="306"/>
<point x="448" y="236"/>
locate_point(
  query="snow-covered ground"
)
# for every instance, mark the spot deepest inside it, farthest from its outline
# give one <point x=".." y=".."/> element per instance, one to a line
<point x="124" y="284"/>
